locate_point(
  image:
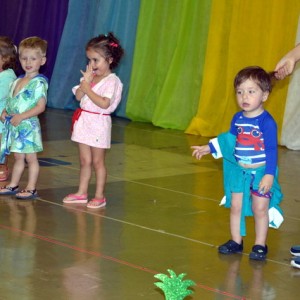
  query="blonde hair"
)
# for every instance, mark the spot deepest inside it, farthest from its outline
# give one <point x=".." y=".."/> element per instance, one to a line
<point x="34" y="42"/>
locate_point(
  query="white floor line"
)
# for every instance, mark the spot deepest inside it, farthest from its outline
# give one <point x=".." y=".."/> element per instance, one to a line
<point x="140" y="183"/>
<point x="151" y="229"/>
<point x="162" y="188"/>
<point x="127" y="223"/>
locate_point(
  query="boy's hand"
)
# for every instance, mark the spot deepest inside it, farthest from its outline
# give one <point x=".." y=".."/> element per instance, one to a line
<point x="16" y="119"/>
<point x="266" y="184"/>
<point x="199" y="151"/>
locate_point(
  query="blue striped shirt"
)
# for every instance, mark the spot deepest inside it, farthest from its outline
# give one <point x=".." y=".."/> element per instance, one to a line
<point x="256" y="140"/>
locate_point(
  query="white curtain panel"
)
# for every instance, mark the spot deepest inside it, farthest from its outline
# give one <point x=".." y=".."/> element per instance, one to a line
<point x="290" y="135"/>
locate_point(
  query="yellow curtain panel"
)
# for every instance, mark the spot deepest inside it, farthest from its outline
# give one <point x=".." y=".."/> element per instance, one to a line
<point x="242" y="33"/>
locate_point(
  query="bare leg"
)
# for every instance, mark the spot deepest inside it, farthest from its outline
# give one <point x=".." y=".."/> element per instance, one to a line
<point x="18" y="169"/>
<point x="85" y="155"/>
<point x="33" y="170"/>
<point x="235" y="217"/>
<point x="100" y="170"/>
<point x="4" y="170"/>
<point x="260" y="207"/>
<point x="85" y="158"/>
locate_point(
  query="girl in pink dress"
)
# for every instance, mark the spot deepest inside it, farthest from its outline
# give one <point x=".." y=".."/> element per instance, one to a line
<point x="99" y="93"/>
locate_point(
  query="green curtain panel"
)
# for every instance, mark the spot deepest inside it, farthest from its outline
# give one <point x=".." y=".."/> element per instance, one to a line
<point x="168" y="62"/>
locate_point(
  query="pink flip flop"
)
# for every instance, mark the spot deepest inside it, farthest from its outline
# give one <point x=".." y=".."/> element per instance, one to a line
<point x="97" y="203"/>
<point x="73" y="198"/>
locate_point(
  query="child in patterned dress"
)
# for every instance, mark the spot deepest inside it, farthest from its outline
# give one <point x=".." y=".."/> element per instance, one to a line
<point x="99" y="93"/>
<point x="8" y="59"/>
<point x="22" y="132"/>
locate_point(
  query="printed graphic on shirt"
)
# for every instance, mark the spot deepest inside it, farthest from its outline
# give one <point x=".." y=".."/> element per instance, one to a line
<point x="252" y="138"/>
<point x="250" y="148"/>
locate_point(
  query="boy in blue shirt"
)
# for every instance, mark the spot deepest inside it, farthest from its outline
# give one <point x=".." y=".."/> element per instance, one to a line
<point x="249" y="152"/>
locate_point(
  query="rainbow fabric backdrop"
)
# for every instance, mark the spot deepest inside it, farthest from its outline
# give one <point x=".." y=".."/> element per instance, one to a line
<point x="182" y="56"/>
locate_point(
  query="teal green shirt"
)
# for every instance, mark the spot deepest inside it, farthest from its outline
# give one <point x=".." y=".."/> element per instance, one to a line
<point x="7" y="77"/>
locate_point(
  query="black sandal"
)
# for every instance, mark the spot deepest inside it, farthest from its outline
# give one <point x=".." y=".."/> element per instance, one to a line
<point x="10" y="190"/>
<point x="32" y="194"/>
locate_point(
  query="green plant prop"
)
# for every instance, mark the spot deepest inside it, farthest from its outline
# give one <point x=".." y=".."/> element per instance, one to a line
<point x="174" y="287"/>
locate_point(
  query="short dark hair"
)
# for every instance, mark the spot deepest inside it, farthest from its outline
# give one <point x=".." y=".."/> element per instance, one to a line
<point x="262" y="78"/>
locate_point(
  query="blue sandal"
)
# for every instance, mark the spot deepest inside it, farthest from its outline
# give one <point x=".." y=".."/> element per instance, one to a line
<point x="8" y="190"/>
<point x="32" y="194"/>
<point x="259" y="252"/>
<point x="231" y="247"/>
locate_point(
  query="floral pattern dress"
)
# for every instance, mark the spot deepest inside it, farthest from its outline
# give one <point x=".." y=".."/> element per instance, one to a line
<point x="26" y="137"/>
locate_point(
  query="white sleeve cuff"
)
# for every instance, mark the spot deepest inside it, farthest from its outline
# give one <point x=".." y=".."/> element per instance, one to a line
<point x="218" y="153"/>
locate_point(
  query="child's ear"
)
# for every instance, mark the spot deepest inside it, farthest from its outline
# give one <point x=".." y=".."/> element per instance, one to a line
<point x="265" y="96"/>
<point x="44" y="59"/>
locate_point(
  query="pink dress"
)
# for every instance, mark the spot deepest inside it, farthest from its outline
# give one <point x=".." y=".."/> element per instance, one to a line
<point x="93" y="127"/>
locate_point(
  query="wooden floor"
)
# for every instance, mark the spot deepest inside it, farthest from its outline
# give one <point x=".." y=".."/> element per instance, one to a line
<point x="162" y="213"/>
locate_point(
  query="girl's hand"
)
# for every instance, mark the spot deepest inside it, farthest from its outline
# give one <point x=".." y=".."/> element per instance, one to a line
<point x="199" y="151"/>
<point x="88" y="75"/>
<point x="266" y="184"/>
<point x="85" y="87"/>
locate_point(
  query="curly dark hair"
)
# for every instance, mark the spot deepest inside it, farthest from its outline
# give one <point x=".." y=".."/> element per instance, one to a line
<point x="262" y="78"/>
<point x="109" y="46"/>
<point x="8" y="51"/>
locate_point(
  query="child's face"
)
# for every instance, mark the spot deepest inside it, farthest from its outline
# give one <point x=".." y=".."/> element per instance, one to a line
<point x="31" y="60"/>
<point x="250" y="98"/>
<point x="100" y="66"/>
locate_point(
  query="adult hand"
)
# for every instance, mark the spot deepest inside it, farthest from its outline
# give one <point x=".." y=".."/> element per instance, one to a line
<point x="284" y="68"/>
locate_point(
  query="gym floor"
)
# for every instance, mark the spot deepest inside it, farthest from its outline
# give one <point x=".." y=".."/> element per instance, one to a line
<point x="162" y="213"/>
